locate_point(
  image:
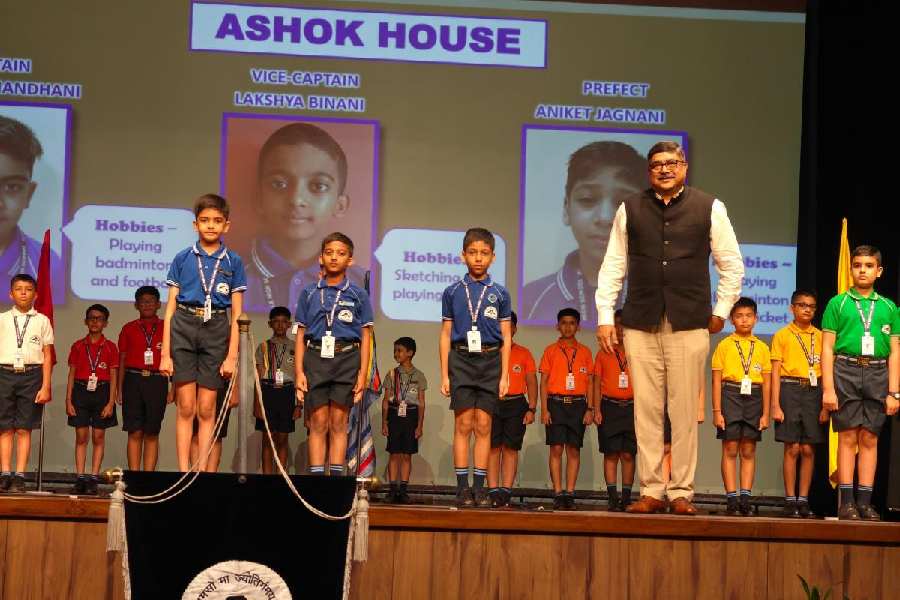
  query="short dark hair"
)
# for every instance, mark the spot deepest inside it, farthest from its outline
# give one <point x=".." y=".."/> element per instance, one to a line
<point x="478" y="234"/>
<point x="513" y="317"/>
<point x="18" y="141"/>
<point x="279" y="311"/>
<point x="867" y="250"/>
<point x="22" y="277"/>
<point x="297" y="134"/>
<point x="744" y="302"/>
<point x="146" y="290"/>
<point x="213" y="201"/>
<point x="803" y="292"/>
<point x="99" y="308"/>
<point x="617" y="314"/>
<point x="587" y="159"/>
<point x="666" y="146"/>
<point x="407" y="342"/>
<point x="337" y="236"/>
<point x="568" y="312"/>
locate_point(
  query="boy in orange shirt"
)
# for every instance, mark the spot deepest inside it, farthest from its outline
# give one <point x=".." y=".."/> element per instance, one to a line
<point x="513" y="413"/>
<point x="614" y="416"/>
<point x="566" y="403"/>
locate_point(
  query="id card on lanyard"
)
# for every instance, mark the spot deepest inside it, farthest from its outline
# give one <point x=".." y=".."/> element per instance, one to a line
<point x="92" y="378"/>
<point x="277" y="361"/>
<point x="570" y="363"/>
<point x="19" y="360"/>
<point x="867" y="344"/>
<point x="810" y="357"/>
<point x="623" y="376"/>
<point x="208" y="288"/>
<point x="328" y="340"/>
<point x="148" y="353"/>
<point x="473" y="336"/>
<point x="400" y="391"/>
<point x="746" y="382"/>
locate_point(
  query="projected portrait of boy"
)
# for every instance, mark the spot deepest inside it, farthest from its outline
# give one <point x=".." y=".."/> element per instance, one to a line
<point x="600" y="176"/>
<point x="19" y="252"/>
<point x="301" y="196"/>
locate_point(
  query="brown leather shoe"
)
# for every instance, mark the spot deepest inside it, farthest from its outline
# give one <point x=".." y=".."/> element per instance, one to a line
<point x="646" y="505"/>
<point x="683" y="506"/>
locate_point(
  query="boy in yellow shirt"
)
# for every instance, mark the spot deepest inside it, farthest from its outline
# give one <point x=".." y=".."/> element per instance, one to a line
<point x="797" y="399"/>
<point x="741" y="382"/>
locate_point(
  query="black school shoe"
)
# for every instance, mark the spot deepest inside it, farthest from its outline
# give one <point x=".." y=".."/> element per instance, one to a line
<point x="464" y="498"/>
<point x="80" y="487"/>
<point x="803" y="510"/>
<point x="615" y="503"/>
<point x="570" y="501"/>
<point x="18" y="485"/>
<point x="731" y="506"/>
<point x="848" y="512"/>
<point x="90" y="487"/>
<point x="791" y="510"/>
<point x="482" y="498"/>
<point x="744" y="506"/>
<point x="5" y="482"/>
<point x="559" y="502"/>
<point x="867" y="512"/>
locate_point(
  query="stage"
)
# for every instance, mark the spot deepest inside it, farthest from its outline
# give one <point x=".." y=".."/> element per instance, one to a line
<point x="54" y="547"/>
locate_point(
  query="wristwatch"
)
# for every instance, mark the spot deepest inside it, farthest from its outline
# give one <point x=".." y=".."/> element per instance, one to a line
<point x="896" y="395"/>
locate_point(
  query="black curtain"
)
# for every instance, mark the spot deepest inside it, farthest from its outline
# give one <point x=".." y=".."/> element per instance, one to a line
<point x="847" y="167"/>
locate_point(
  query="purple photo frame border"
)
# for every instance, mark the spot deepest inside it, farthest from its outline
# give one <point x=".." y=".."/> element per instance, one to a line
<point x="191" y="48"/>
<point x="523" y="162"/>
<point x="65" y="249"/>
<point x="374" y="268"/>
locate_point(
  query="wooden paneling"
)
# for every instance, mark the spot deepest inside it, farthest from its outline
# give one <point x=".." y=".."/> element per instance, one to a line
<point x="435" y="553"/>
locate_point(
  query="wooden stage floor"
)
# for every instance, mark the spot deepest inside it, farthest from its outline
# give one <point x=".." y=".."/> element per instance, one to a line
<point x="418" y="552"/>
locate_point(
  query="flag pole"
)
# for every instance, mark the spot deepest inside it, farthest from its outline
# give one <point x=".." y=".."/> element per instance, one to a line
<point x="44" y="305"/>
<point x="39" y="490"/>
<point x="359" y="405"/>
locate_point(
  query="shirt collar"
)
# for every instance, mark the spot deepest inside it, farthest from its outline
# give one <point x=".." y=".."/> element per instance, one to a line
<point x="271" y="264"/>
<point x="674" y="198"/>
<point x="487" y="282"/>
<point x="568" y="275"/>
<point x="342" y="285"/>
<point x="857" y="296"/>
<point x="14" y="311"/>
<point x="750" y="338"/>
<point x="794" y="328"/>
<point x="221" y="252"/>
<point x="87" y="340"/>
<point x="13" y="252"/>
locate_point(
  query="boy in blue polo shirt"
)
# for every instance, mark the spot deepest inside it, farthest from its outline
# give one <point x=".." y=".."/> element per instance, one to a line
<point x="475" y="344"/>
<point x="334" y="319"/>
<point x="860" y="345"/>
<point x="200" y="346"/>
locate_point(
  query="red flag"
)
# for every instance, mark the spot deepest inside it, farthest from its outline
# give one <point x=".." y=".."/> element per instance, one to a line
<point x="44" y="301"/>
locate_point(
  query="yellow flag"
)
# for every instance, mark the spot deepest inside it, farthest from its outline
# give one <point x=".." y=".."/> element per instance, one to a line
<point x="844" y="283"/>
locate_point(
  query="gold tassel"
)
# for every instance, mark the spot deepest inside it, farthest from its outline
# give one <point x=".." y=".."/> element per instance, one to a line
<point x="361" y="527"/>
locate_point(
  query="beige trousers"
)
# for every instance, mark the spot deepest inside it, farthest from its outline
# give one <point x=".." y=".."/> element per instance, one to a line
<point x="667" y="372"/>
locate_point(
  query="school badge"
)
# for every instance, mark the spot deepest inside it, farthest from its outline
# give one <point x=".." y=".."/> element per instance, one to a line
<point x="490" y="312"/>
<point x="886" y="329"/>
<point x="346" y="316"/>
<point x="517" y="368"/>
<point x="757" y="367"/>
<point x="101" y="365"/>
<point x="582" y="369"/>
<point x="222" y="288"/>
<point x="235" y="579"/>
<point x="492" y="298"/>
<point x="35" y="339"/>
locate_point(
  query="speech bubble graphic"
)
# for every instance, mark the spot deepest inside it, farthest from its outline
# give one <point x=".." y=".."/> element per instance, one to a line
<point x="418" y="264"/>
<point x="116" y="249"/>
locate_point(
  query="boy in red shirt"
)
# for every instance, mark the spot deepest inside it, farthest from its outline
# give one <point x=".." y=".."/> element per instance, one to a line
<point x="614" y="416"/>
<point x="513" y="413"/>
<point x="143" y="390"/>
<point x="566" y="403"/>
<point x="90" y="399"/>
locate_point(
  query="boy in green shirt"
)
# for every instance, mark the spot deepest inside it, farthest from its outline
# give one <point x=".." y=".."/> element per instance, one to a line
<point x="860" y="377"/>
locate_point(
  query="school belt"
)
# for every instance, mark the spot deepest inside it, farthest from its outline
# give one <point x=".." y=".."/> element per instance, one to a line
<point x="143" y="372"/>
<point x="737" y="385"/>
<point x="393" y="406"/>
<point x="197" y="311"/>
<point x="484" y="348"/>
<point x="24" y="369"/>
<point x="513" y="397"/>
<point x="862" y="361"/>
<point x="618" y="401"/>
<point x="271" y="383"/>
<point x="801" y="381"/>
<point x="565" y="399"/>
<point x="338" y="346"/>
<point x="83" y="382"/>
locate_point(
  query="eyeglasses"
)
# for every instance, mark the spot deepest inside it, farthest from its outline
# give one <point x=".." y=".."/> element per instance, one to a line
<point x="803" y="305"/>
<point x="671" y="165"/>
